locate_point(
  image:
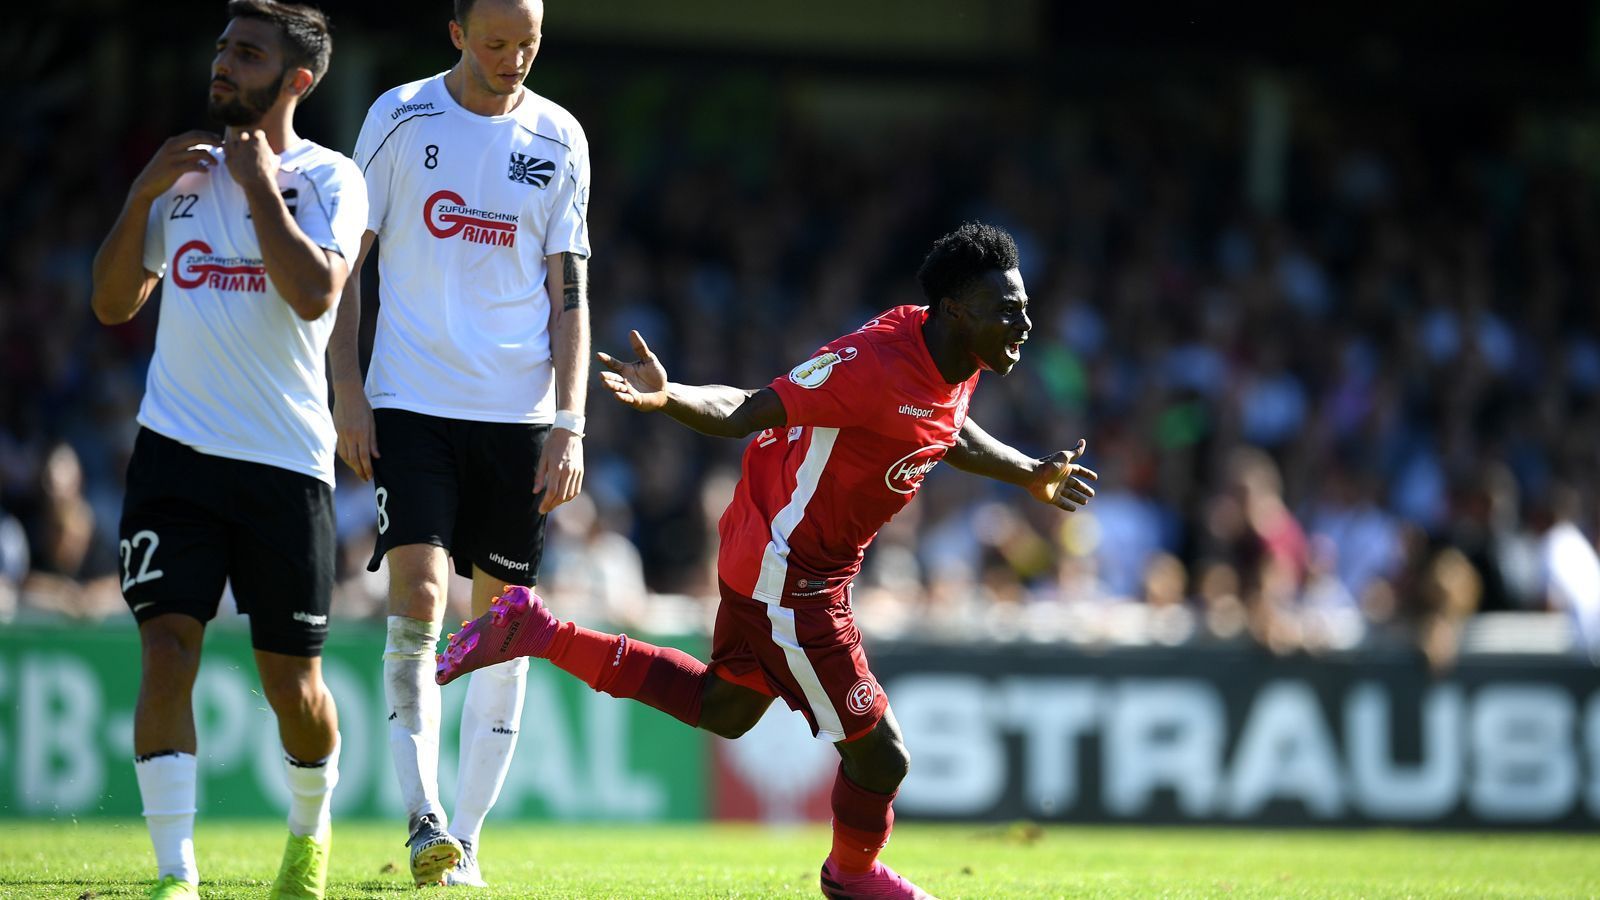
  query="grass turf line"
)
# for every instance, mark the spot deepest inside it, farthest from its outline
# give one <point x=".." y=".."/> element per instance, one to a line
<point x="112" y="859"/>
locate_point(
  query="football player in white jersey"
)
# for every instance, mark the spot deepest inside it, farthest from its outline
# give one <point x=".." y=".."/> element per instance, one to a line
<point x="471" y="416"/>
<point x="232" y="473"/>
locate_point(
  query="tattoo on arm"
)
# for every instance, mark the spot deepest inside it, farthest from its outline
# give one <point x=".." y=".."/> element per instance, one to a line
<point x="571" y="283"/>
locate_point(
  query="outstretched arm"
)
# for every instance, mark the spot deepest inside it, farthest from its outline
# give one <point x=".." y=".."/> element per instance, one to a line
<point x="1056" y="479"/>
<point x="713" y="409"/>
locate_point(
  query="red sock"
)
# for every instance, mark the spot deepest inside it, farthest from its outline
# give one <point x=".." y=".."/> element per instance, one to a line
<point x="862" y="820"/>
<point x="661" y="677"/>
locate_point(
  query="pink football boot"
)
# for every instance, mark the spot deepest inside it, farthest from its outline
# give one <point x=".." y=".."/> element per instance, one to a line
<point x="517" y="624"/>
<point x="881" y="882"/>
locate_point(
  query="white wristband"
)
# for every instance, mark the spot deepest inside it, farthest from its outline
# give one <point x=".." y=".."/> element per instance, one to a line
<point x="571" y="421"/>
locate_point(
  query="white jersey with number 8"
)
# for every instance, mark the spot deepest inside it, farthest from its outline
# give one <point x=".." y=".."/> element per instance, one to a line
<point x="466" y="208"/>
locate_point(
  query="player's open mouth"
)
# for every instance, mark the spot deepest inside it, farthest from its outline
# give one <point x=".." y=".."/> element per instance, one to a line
<point x="1014" y="350"/>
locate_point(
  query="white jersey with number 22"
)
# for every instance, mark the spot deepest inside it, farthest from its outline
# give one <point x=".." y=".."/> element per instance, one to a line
<point x="237" y="372"/>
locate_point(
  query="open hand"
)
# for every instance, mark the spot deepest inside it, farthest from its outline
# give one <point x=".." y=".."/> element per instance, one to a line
<point x="1059" y="481"/>
<point x="187" y="152"/>
<point x="641" y="384"/>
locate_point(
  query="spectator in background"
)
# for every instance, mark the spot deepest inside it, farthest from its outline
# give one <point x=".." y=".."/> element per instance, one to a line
<point x="64" y="521"/>
<point x="594" y="570"/>
<point x="13" y="561"/>
<point x="1252" y="531"/>
<point x="71" y="570"/>
<point x="1571" y="570"/>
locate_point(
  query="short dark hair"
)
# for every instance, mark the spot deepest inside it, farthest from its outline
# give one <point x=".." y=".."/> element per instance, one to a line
<point x="963" y="256"/>
<point x="307" y="43"/>
<point x="462" y="9"/>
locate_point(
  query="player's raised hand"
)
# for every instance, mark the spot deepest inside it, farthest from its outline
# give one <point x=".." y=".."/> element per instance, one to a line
<point x="1059" y="481"/>
<point x="187" y="152"/>
<point x="641" y="384"/>
<point x="250" y="159"/>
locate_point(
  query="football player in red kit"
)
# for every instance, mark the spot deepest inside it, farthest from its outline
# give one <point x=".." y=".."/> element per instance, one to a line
<point x="842" y="443"/>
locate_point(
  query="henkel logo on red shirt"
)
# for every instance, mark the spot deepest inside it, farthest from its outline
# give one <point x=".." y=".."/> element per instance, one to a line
<point x="905" y="474"/>
<point x="448" y="216"/>
<point x="194" y="265"/>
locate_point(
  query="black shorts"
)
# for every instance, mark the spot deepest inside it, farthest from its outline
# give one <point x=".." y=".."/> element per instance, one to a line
<point x="192" y="522"/>
<point x="461" y="485"/>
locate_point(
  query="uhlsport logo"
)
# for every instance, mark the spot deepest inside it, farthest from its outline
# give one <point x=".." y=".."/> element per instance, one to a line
<point x="194" y="265"/>
<point x="514" y="566"/>
<point x="528" y="170"/>
<point x="861" y="696"/>
<point x="906" y="474"/>
<point x="916" y="412"/>
<point x="447" y="216"/>
<point x="404" y="108"/>
<point x="814" y="371"/>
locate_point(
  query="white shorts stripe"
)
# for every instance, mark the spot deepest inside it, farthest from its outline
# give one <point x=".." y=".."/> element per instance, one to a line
<point x="775" y="561"/>
<point x="829" y="728"/>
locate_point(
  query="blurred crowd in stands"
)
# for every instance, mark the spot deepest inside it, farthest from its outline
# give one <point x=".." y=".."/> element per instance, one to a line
<point x="1351" y="414"/>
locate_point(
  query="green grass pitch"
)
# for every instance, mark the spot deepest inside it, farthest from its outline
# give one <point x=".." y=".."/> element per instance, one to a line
<point x="112" y="859"/>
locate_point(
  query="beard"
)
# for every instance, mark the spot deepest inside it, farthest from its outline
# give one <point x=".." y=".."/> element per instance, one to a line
<point x="245" y="107"/>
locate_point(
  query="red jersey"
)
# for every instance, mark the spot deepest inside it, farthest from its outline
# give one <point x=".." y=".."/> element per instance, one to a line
<point x="868" y="417"/>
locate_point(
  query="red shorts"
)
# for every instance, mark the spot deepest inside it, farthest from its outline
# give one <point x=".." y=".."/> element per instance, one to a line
<point x="811" y="657"/>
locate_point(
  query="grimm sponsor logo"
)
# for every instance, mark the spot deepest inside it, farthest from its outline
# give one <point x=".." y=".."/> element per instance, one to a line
<point x="194" y="265"/>
<point x="906" y="474"/>
<point x="447" y="215"/>
<point x="814" y="371"/>
<point x="311" y="619"/>
<point x="907" y="409"/>
<point x="861" y="696"/>
<point x="501" y="560"/>
<point x="404" y="108"/>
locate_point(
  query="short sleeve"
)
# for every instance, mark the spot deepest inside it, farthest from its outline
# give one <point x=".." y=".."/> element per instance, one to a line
<point x="834" y="388"/>
<point x="338" y="218"/>
<point x="374" y="163"/>
<point x="155" y="239"/>
<point x="568" y="228"/>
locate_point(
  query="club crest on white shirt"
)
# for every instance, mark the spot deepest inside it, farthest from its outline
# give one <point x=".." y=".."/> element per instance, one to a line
<point x="528" y="170"/>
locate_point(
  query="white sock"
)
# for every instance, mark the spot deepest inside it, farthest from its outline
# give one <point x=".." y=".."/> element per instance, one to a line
<point x="469" y="730"/>
<point x="311" y="793"/>
<point x="408" y="667"/>
<point x="493" y="713"/>
<point x="167" y="787"/>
